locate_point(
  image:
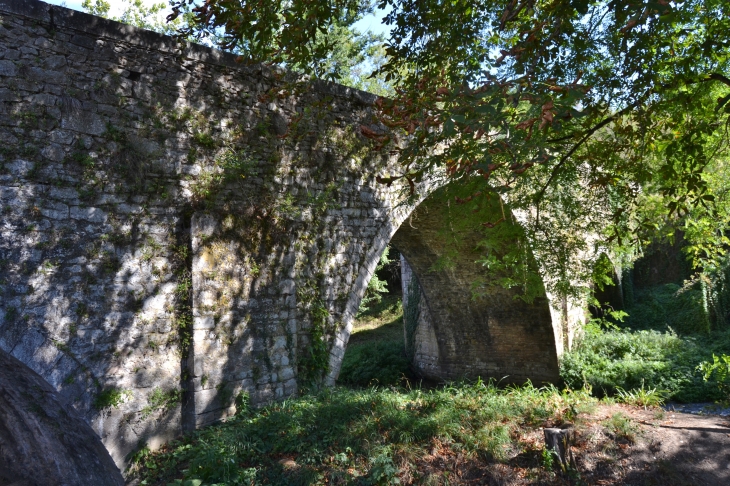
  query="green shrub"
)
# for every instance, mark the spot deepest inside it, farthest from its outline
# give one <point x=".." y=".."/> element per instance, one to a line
<point x="669" y="306"/>
<point x="609" y="360"/>
<point x="719" y="369"/>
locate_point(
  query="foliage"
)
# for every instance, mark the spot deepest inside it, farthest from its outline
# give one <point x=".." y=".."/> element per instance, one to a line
<point x="371" y="436"/>
<point x="593" y="117"/>
<point x="375" y="352"/>
<point x="292" y="35"/>
<point x="719" y="369"/>
<point x="615" y="359"/>
<point x="160" y="399"/>
<point x="376" y="285"/>
<point x="715" y="280"/>
<point x="379" y="363"/>
<point x="138" y="13"/>
<point x="669" y="306"/>
<point x="111" y="398"/>
<point x="641" y="396"/>
<point x="314" y="365"/>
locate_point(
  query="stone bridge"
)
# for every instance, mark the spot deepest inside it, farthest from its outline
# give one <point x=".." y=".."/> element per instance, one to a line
<point x="179" y="230"/>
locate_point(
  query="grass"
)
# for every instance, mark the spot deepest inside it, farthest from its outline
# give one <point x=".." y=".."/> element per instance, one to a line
<point x="376" y="354"/>
<point x="361" y="436"/>
<point x="382" y="430"/>
<point x="380" y="320"/>
<point x="642" y="397"/>
<point x="364" y="435"/>
<point x="622" y="427"/>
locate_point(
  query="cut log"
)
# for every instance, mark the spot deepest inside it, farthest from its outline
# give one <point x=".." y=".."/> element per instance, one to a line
<point x="559" y="441"/>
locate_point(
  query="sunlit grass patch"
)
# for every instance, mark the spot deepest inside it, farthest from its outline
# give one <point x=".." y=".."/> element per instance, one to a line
<point x="370" y="436"/>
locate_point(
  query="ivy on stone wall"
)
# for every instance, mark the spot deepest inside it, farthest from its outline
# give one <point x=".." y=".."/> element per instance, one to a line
<point x="314" y="365"/>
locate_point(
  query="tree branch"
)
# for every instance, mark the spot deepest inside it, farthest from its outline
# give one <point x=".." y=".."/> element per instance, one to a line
<point x="719" y="77"/>
<point x="587" y="134"/>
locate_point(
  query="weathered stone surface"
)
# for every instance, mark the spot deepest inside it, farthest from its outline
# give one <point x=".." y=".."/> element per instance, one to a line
<point x="41" y="441"/>
<point x="171" y="240"/>
<point x="459" y="334"/>
<point x="7" y="68"/>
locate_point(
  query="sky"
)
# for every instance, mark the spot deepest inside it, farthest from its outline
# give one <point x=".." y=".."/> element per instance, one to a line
<point x="371" y="22"/>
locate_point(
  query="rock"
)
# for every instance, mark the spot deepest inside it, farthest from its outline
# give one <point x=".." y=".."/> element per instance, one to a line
<point x="41" y="441"/>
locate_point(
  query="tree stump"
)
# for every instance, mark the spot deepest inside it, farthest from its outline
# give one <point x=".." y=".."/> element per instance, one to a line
<point x="559" y="440"/>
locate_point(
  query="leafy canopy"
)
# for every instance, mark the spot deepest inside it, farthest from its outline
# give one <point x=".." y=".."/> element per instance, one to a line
<point x="587" y="116"/>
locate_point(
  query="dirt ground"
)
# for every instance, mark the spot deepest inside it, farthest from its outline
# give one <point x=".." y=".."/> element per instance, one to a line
<point x="625" y="445"/>
<point x="614" y="445"/>
<point x="669" y="448"/>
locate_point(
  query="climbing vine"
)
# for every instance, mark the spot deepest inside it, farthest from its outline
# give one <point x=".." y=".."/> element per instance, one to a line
<point x="315" y="364"/>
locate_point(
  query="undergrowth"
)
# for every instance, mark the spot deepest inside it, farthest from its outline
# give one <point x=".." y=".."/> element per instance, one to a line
<point x="609" y="360"/>
<point x="661" y="347"/>
<point x="365" y="436"/>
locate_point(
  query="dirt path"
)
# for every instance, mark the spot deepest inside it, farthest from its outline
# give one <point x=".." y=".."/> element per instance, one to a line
<point x="623" y="445"/>
<point x="679" y="448"/>
<point x="619" y="445"/>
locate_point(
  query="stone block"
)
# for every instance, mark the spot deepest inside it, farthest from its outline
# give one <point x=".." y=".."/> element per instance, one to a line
<point x="93" y="215"/>
<point x="54" y="62"/>
<point x="84" y="122"/>
<point x="203" y="322"/>
<point x="85" y="41"/>
<point x="54" y="152"/>
<point x="19" y="168"/>
<point x="287" y="287"/>
<point x="7" y="68"/>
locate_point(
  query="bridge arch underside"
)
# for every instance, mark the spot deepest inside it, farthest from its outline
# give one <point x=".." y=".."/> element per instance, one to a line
<point x="453" y="332"/>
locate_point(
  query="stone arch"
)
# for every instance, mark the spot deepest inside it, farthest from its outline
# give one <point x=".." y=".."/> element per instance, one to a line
<point x="495" y="335"/>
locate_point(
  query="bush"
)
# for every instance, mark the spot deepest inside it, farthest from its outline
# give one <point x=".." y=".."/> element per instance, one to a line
<point x="669" y="306"/>
<point x="609" y="360"/>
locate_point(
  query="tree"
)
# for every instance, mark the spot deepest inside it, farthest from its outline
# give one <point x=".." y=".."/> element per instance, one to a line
<point x="350" y="56"/>
<point x="583" y="114"/>
<point x="136" y="13"/>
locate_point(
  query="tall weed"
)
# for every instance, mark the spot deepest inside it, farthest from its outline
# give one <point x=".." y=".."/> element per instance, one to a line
<point x="615" y="359"/>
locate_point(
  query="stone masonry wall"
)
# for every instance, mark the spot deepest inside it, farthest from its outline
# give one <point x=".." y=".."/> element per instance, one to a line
<point x="175" y="226"/>
<point x="180" y="232"/>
